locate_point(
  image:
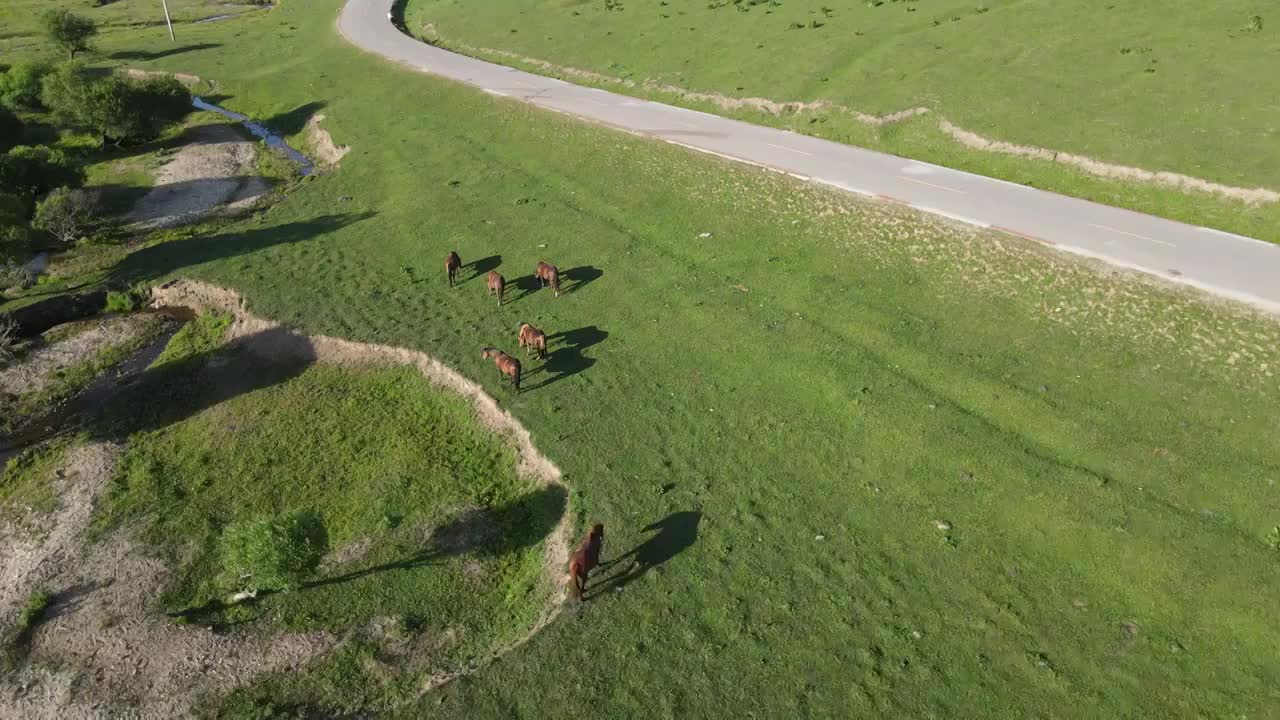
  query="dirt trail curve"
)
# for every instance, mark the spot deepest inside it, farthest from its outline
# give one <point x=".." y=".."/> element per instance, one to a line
<point x="1228" y="265"/>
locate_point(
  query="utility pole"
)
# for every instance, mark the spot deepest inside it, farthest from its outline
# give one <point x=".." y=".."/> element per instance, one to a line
<point x="165" y="3"/>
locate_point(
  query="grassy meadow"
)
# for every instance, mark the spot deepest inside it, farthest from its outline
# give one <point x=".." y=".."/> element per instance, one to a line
<point x="870" y="462"/>
<point x="1175" y="87"/>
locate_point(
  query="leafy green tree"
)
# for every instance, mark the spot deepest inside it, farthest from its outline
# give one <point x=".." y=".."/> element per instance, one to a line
<point x="30" y="172"/>
<point x="68" y="31"/>
<point x="66" y="214"/>
<point x="20" y="86"/>
<point x="120" y="110"/>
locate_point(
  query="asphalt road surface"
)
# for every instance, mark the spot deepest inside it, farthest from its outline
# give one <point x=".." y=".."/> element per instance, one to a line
<point x="1222" y="263"/>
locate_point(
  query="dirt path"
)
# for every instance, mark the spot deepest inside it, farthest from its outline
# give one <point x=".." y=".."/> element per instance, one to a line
<point x="84" y="339"/>
<point x="215" y="171"/>
<point x="105" y="651"/>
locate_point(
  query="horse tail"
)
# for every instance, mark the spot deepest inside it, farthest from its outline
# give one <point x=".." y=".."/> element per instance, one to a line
<point x="574" y="589"/>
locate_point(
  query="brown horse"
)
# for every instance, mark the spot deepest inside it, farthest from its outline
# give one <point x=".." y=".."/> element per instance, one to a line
<point x="452" y="263"/>
<point x="507" y="365"/>
<point x="585" y="560"/>
<point x="497" y="284"/>
<point x="549" y="275"/>
<point x="531" y="338"/>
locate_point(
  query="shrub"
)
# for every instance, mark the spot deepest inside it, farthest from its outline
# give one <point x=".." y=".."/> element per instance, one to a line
<point x="68" y="31"/>
<point x="124" y="301"/>
<point x="116" y="108"/>
<point x="8" y="339"/>
<point x="66" y="214"/>
<point x="32" y="171"/>
<point x="20" y="86"/>
<point x="274" y="554"/>
<point x="15" y="244"/>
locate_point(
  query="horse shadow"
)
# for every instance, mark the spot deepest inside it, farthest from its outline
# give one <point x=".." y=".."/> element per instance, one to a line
<point x="568" y="360"/>
<point x="526" y="284"/>
<point x="676" y="533"/>
<point x="483" y="266"/>
<point x="580" y="277"/>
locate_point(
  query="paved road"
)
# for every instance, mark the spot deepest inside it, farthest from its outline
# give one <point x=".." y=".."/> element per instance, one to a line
<point x="1228" y="265"/>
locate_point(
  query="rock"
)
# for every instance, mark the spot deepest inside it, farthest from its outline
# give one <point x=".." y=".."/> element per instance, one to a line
<point x="819" y="538"/>
<point x="942" y="525"/>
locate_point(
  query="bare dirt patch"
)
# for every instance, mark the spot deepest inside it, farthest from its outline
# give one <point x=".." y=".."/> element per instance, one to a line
<point x="104" y="651"/>
<point x="83" y="339"/>
<point x="1185" y="183"/>
<point x="214" y="172"/>
<point x="323" y="149"/>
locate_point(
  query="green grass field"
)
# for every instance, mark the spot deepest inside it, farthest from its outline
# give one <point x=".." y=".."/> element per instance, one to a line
<point x="1162" y="86"/>
<point x="897" y="467"/>
<point x="422" y="505"/>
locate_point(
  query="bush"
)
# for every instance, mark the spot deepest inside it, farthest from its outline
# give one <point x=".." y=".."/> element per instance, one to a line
<point x="30" y="172"/>
<point x="275" y="554"/>
<point x="20" y="86"/>
<point x="15" y="244"/>
<point x="116" y="108"/>
<point x="68" y="31"/>
<point x="124" y="301"/>
<point x="66" y="214"/>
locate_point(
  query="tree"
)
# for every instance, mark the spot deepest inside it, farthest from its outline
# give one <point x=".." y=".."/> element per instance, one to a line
<point x="118" y="109"/>
<point x="69" y="31"/>
<point x="20" y="86"/>
<point x="29" y="172"/>
<point x="66" y="214"/>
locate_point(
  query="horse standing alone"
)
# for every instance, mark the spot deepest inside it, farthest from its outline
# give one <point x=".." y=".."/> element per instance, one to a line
<point x="507" y="365"/>
<point x="497" y="285"/>
<point x="531" y="338"/>
<point x="452" y="263"/>
<point x="549" y="275"/>
<point x="585" y="560"/>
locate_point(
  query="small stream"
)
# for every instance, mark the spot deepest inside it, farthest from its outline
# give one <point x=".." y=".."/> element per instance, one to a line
<point x="271" y="139"/>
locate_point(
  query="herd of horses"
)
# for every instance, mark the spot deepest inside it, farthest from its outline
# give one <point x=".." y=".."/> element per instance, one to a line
<point x="529" y="337"/>
<point x="533" y="340"/>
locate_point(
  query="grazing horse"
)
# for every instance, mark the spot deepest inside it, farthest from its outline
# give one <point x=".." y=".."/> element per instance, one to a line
<point x="531" y="338"/>
<point x="497" y="284"/>
<point x="549" y="275"/>
<point x="585" y="560"/>
<point x="507" y="365"/>
<point x="452" y="263"/>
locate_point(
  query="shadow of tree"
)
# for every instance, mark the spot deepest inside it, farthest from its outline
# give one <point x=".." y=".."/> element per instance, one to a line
<point x="173" y="391"/>
<point x="580" y="276"/>
<point x="492" y="532"/>
<point x="568" y="360"/>
<point x="293" y="121"/>
<point x="676" y="532"/>
<point x="156" y="55"/>
<point x="160" y="260"/>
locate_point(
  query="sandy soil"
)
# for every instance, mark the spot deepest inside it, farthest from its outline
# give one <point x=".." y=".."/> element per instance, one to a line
<point x="105" y="651"/>
<point x="213" y="172"/>
<point x="85" y="338"/>
<point x="327" y="154"/>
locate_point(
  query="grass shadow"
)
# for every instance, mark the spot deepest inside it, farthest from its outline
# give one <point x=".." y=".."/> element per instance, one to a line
<point x="161" y="260"/>
<point x="492" y="532"/>
<point x="568" y="360"/>
<point x="483" y="266"/>
<point x="580" y="277"/>
<point x="293" y="121"/>
<point x="676" y="533"/>
<point x="161" y="395"/>
<point x="156" y="55"/>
